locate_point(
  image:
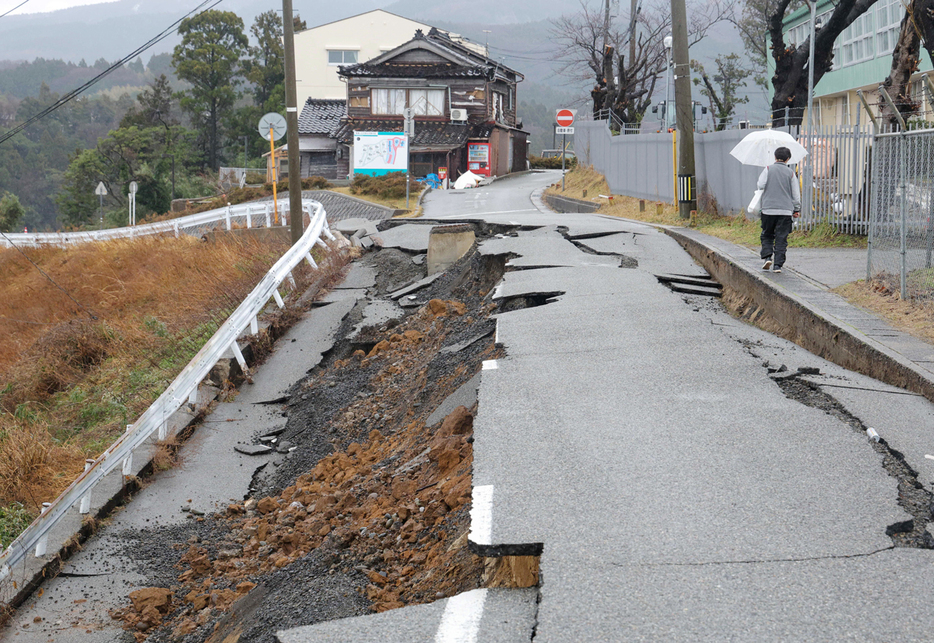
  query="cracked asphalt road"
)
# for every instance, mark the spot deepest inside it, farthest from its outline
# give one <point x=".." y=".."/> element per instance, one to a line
<point x="677" y="492"/>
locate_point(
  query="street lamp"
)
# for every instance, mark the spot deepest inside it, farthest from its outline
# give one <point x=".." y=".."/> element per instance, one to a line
<point x="667" y="42"/>
<point x="814" y="28"/>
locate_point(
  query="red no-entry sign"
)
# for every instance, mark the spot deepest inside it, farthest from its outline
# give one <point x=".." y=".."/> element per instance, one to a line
<point x="565" y="117"/>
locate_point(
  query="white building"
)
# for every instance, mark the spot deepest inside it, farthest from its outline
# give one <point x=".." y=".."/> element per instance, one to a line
<point x="320" y="50"/>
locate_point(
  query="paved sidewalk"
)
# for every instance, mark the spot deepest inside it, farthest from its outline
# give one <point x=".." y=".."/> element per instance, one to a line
<point x="809" y="275"/>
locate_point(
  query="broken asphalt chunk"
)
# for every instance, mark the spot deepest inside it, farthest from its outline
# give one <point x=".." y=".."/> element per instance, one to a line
<point x="252" y="449"/>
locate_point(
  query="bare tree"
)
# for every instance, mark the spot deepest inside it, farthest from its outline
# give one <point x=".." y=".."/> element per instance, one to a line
<point x="751" y="20"/>
<point x="591" y="46"/>
<point x="904" y="64"/>
<point x="724" y="98"/>
<point x="790" y="81"/>
<point x="917" y="27"/>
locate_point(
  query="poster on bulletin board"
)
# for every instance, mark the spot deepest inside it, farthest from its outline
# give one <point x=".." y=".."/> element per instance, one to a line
<point x="379" y="153"/>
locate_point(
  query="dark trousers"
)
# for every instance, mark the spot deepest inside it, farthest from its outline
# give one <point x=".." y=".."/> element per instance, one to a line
<point x="774" y="237"/>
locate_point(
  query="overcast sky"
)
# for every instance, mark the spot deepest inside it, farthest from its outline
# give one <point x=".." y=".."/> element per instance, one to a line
<point x="42" y="6"/>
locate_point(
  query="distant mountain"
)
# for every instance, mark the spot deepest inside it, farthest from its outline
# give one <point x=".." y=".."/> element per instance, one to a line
<point x="488" y="12"/>
<point x="114" y="29"/>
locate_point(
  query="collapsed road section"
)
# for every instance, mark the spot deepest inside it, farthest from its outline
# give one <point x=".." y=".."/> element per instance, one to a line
<point x="337" y="483"/>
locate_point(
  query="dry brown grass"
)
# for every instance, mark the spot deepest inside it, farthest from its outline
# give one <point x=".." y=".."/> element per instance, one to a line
<point x="914" y="317"/>
<point x="70" y="382"/>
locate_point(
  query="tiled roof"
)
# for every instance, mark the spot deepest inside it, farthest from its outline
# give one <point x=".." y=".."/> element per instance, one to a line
<point x="391" y="69"/>
<point x="428" y="134"/>
<point x="321" y="116"/>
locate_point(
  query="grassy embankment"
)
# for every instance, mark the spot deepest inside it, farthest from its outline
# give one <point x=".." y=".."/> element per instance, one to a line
<point x="83" y="357"/>
<point x="914" y="316"/>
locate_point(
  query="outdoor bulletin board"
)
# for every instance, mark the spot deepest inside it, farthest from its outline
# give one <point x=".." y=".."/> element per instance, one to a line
<point x="379" y="153"/>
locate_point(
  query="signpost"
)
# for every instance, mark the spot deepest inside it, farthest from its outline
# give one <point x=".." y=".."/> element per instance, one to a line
<point x="564" y="118"/>
<point x="101" y="191"/>
<point x="409" y="128"/>
<point x="272" y="128"/>
<point x="132" y="201"/>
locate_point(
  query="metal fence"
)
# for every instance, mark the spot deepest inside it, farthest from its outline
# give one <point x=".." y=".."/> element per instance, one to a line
<point x="182" y="390"/>
<point x="834" y="176"/>
<point x="835" y="185"/>
<point x="901" y="233"/>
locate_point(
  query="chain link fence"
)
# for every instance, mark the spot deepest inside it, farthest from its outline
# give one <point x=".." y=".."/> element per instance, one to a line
<point x="901" y="233"/>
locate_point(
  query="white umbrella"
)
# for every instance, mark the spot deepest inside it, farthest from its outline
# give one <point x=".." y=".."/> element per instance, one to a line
<point x="758" y="148"/>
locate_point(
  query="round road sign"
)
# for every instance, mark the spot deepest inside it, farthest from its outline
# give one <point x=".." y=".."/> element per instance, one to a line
<point x="274" y="121"/>
<point x="565" y="117"/>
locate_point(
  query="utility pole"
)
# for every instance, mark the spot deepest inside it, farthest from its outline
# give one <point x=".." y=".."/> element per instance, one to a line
<point x="633" y="9"/>
<point x="291" y="123"/>
<point x="687" y="192"/>
<point x="606" y="25"/>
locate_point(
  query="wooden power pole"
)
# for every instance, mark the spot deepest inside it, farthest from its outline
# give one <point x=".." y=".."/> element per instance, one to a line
<point x="687" y="189"/>
<point x="291" y="122"/>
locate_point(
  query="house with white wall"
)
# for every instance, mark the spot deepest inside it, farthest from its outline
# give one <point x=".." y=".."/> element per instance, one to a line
<point x="319" y="51"/>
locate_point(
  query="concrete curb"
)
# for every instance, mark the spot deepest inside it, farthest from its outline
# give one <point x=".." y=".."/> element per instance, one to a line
<point x="808" y="326"/>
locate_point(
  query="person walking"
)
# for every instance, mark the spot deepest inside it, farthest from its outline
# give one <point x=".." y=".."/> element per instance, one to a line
<point x="781" y="202"/>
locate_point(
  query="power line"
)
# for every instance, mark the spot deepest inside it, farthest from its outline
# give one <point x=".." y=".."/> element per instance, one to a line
<point x="14" y="8"/>
<point x="52" y="281"/>
<point x="120" y="63"/>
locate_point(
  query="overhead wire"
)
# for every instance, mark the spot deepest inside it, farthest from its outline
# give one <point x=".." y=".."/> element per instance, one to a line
<point x="46" y="275"/>
<point x="14" y="8"/>
<point x="120" y="63"/>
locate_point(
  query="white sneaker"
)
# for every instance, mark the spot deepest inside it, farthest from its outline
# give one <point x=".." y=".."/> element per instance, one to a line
<point x="767" y="265"/>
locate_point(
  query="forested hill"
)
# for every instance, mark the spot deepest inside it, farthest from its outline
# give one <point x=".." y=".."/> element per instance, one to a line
<point x="22" y="79"/>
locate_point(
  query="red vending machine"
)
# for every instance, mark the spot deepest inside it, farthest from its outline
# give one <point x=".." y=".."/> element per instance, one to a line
<point x="478" y="158"/>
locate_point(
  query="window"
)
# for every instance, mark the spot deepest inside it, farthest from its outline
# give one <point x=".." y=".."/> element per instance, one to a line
<point x="425" y="102"/>
<point x="387" y="101"/>
<point x="889" y="15"/>
<point x="342" y="57"/>
<point x="857" y="42"/>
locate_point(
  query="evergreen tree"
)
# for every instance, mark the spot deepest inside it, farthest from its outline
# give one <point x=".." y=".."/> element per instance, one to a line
<point x="209" y="58"/>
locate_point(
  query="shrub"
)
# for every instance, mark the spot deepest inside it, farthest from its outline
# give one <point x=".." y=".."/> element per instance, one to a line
<point x="551" y="163"/>
<point x="388" y="186"/>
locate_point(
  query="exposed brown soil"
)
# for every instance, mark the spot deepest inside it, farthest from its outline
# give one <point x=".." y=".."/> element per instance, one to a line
<point x="379" y="522"/>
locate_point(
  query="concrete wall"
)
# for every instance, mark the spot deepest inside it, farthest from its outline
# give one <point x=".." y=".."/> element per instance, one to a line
<point x="642" y="165"/>
<point x="369" y="34"/>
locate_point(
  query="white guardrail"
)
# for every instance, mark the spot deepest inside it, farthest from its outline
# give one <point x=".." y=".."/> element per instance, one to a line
<point x="184" y="388"/>
<point x="245" y="214"/>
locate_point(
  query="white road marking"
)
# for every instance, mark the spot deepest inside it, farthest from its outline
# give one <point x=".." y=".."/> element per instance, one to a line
<point x="460" y="622"/>
<point x="929" y="456"/>
<point x="481" y="515"/>
<point x="490" y="365"/>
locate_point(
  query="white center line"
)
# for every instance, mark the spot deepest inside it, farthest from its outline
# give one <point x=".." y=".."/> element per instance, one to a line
<point x="481" y="515"/>
<point x="460" y="622"/>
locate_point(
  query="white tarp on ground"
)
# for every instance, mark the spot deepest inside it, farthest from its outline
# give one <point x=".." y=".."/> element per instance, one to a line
<point x="466" y="180"/>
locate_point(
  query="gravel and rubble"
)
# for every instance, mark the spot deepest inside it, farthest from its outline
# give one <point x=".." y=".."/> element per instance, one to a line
<point x="368" y="511"/>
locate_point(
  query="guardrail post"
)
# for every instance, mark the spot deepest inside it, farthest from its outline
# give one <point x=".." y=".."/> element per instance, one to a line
<point x="86" y="500"/>
<point x="227" y="216"/>
<point x="254" y="325"/>
<point x="278" y="298"/>
<point x="163" y="429"/>
<point x="311" y="262"/>
<point x="249" y="217"/>
<point x="127" y="465"/>
<point x="44" y="541"/>
<point x="193" y="397"/>
<point x="268" y="222"/>
<point x="239" y="355"/>
<point x="292" y="281"/>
